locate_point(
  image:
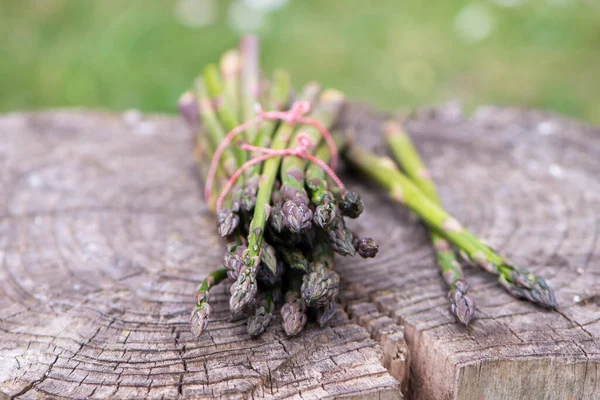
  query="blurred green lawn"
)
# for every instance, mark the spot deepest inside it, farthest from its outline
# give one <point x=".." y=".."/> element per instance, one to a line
<point x="120" y="54"/>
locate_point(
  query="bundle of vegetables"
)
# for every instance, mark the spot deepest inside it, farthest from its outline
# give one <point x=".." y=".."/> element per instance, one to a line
<point x="416" y="190"/>
<point x="269" y="179"/>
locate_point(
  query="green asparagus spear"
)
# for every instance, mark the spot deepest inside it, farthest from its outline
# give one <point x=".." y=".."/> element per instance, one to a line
<point x="200" y="314"/>
<point x="517" y="281"/>
<point x="229" y="121"/>
<point x="321" y="197"/>
<point x="462" y="305"/>
<point x="230" y="70"/>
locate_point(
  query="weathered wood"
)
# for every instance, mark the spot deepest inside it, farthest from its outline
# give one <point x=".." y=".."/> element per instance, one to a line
<point x="528" y="183"/>
<point x="103" y="239"/>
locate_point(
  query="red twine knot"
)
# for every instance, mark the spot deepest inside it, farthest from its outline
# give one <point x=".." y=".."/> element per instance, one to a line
<point x="295" y="115"/>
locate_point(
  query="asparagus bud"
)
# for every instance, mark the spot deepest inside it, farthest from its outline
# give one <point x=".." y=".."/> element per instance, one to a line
<point x="200" y="314"/>
<point x="243" y="290"/>
<point x="227" y="221"/>
<point x="461" y="304"/>
<point x="257" y="323"/>
<point x="199" y="319"/>
<point x="320" y="286"/>
<point x="524" y="284"/>
<point x="350" y="203"/>
<point x="325" y="212"/>
<point x="234" y="262"/>
<point x="293" y="314"/>
<point x="367" y="247"/>
<point x="340" y="238"/>
<point x="276" y="218"/>
<point x="297" y="216"/>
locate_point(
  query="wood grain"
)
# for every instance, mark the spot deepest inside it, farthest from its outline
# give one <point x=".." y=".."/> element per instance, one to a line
<point x="103" y="238"/>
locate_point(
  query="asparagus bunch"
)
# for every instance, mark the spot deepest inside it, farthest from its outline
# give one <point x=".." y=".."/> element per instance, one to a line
<point x="420" y="196"/>
<point x="282" y="219"/>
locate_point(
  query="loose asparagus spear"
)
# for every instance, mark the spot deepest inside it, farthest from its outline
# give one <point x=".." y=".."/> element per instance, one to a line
<point x="200" y="314"/>
<point x="278" y="100"/>
<point x="517" y="281"/>
<point x="462" y="305"/>
<point x="244" y="288"/>
<point x="258" y="322"/>
<point x="296" y="212"/>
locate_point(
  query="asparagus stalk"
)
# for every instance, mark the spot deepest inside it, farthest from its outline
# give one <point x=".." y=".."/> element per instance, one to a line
<point x="517" y="281"/>
<point x="230" y="70"/>
<point x="200" y="314"/>
<point x="278" y="100"/>
<point x="296" y="212"/>
<point x="188" y="108"/>
<point x="229" y="121"/>
<point x="244" y="288"/>
<point x="339" y="237"/>
<point x="321" y="197"/>
<point x="462" y="305"/>
<point x="227" y="220"/>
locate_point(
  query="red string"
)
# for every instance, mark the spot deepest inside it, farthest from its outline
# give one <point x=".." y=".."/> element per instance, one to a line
<point x="301" y="150"/>
<point x="294" y="116"/>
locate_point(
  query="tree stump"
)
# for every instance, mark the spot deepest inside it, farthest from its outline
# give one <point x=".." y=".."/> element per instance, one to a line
<point x="104" y="237"/>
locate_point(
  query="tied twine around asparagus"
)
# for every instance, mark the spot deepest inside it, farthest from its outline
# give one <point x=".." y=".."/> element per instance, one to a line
<point x="264" y="255"/>
<point x="462" y="305"/>
<point x="517" y="281"/>
<point x="243" y="291"/>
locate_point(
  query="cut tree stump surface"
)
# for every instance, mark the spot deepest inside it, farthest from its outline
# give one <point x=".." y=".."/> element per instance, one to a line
<point x="104" y="238"/>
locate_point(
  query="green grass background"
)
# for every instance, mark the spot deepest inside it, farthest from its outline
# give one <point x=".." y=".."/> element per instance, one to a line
<point x="121" y="54"/>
